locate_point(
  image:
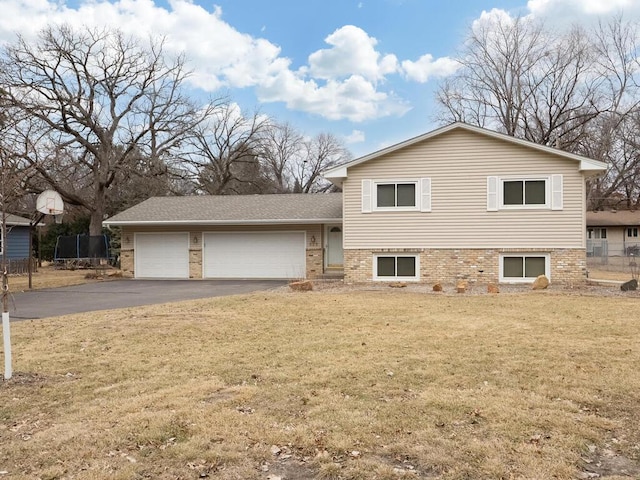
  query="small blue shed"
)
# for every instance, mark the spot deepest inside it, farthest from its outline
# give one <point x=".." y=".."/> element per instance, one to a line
<point x="17" y="242"/>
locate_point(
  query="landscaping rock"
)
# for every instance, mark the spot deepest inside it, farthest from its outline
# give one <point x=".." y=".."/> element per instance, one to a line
<point x="540" y="283"/>
<point x="398" y="285"/>
<point x="461" y="286"/>
<point x="437" y="287"/>
<point x="630" y="285"/>
<point x="275" y="450"/>
<point x="493" y="288"/>
<point x="301" y="286"/>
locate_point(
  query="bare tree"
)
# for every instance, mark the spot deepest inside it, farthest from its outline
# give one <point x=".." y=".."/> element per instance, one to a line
<point x="519" y="78"/>
<point x="614" y="136"/>
<point x="93" y="102"/>
<point x="490" y="89"/>
<point x="295" y="163"/>
<point x="320" y="153"/>
<point x="221" y="153"/>
<point x="281" y="147"/>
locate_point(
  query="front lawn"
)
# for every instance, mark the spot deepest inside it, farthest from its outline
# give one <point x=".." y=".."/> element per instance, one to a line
<point x="358" y="385"/>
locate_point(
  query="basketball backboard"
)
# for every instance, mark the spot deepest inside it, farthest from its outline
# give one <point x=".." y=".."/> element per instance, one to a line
<point x="50" y="202"/>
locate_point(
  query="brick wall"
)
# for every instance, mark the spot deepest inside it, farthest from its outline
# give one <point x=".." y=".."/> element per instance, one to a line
<point x="315" y="262"/>
<point x="568" y="266"/>
<point x="126" y="262"/>
<point x="195" y="263"/>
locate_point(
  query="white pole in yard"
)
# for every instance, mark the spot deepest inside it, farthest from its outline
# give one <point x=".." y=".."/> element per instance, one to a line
<point x="6" y="331"/>
<point x="6" y="337"/>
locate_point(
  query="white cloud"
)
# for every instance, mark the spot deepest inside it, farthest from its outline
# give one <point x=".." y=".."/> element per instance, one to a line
<point x="589" y="7"/>
<point x="355" y="99"/>
<point x="219" y="55"/>
<point x="344" y="81"/>
<point x="353" y="53"/>
<point x="426" y="67"/>
<point x="495" y="16"/>
<point x="356" y="136"/>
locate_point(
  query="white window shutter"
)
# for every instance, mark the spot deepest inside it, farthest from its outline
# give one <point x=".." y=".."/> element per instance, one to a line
<point x="425" y="194"/>
<point x="492" y="194"/>
<point x="366" y="196"/>
<point x="556" y="192"/>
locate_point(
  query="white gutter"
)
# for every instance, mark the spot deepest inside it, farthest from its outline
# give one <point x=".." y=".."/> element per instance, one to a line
<point x="151" y="223"/>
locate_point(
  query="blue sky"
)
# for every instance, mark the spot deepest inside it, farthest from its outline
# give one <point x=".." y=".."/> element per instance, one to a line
<point x="363" y="70"/>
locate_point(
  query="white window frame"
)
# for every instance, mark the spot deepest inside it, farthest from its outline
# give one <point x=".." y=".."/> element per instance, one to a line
<point x="369" y="199"/>
<point x="415" y="278"/>
<point x="632" y="232"/>
<point x="414" y="208"/>
<point x="596" y="233"/>
<point x="547" y="192"/>
<point x="547" y="266"/>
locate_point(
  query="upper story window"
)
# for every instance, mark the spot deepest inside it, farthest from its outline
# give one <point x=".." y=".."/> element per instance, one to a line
<point x="396" y="195"/>
<point x="513" y="193"/>
<point x="524" y="192"/>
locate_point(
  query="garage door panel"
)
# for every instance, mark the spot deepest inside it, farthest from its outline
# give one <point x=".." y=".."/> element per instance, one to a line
<point x="162" y="255"/>
<point x="254" y="255"/>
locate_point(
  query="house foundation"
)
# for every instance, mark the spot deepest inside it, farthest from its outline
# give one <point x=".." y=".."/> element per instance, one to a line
<point x="566" y="266"/>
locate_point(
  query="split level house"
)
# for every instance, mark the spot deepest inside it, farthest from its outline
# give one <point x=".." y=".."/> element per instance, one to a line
<point x="460" y="202"/>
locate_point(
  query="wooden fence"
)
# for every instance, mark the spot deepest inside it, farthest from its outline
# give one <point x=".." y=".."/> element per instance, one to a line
<point x="21" y="265"/>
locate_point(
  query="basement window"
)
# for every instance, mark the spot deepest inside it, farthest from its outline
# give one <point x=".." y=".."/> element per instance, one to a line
<point x="515" y="268"/>
<point x="396" y="267"/>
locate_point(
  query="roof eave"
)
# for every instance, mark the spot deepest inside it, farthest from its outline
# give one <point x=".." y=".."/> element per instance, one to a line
<point x="593" y="167"/>
<point x="164" y="223"/>
<point x="23" y="224"/>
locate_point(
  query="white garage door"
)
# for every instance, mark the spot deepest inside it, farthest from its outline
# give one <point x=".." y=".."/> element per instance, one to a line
<point x="254" y="255"/>
<point x="162" y="255"/>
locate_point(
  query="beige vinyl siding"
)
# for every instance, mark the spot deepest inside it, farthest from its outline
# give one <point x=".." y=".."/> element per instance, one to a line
<point x="196" y="232"/>
<point x="458" y="164"/>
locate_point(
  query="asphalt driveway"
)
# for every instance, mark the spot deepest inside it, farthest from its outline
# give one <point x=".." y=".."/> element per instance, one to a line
<point x="90" y="297"/>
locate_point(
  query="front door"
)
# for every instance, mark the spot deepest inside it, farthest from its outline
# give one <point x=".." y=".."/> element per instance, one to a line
<point x="334" y="246"/>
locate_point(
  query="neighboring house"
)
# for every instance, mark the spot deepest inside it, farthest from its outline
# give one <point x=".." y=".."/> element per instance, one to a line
<point x="460" y="202"/>
<point x="613" y="233"/>
<point x="465" y="202"/>
<point x="232" y="236"/>
<point x="16" y="246"/>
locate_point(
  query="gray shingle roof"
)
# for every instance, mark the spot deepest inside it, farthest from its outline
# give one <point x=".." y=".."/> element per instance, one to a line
<point x="233" y="210"/>
<point x="620" y="218"/>
<point x="16" y="220"/>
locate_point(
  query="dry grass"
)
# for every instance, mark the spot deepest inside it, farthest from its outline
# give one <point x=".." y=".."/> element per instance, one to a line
<point x="363" y="385"/>
<point x="50" y="277"/>
<point x="621" y="276"/>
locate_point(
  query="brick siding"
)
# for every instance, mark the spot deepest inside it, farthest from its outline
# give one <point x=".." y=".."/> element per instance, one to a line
<point x="568" y="266"/>
<point x="315" y="263"/>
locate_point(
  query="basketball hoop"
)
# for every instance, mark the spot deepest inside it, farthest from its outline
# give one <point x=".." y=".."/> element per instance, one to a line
<point x="50" y="202"/>
<point x="58" y="218"/>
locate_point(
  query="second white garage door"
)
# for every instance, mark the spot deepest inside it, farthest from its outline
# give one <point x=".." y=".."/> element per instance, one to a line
<point x="254" y="255"/>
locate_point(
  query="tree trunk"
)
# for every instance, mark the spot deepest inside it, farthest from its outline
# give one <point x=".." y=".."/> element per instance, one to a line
<point x="97" y="212"/>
